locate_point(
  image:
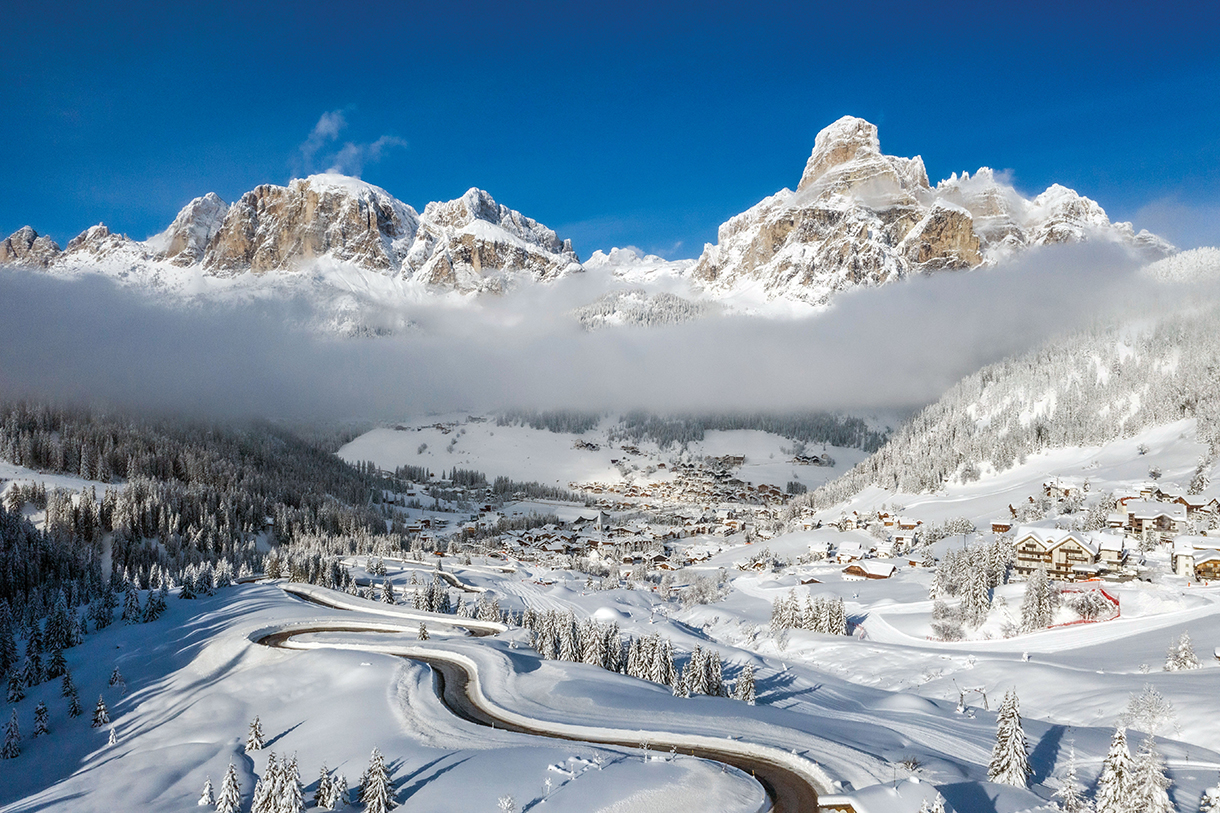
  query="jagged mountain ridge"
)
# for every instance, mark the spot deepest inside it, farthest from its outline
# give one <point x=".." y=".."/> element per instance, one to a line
<point x="468" y="244"/>
<point x="862" y="218"/>
<point x="858" y="218"/>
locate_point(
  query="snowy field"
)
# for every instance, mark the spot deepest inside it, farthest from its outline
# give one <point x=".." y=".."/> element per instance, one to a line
<point x="889" y="716"/>
<point x="525" y="454"/>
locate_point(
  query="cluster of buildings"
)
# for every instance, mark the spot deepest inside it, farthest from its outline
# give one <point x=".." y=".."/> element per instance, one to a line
<point x="704" y="483"/>
<point x="1152" y="517"/>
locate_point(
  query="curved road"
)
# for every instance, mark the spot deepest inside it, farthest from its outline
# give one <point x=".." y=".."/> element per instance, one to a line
<point x="456" y="676"/>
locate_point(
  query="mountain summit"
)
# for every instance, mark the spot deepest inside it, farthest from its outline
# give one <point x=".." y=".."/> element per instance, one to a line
<point x="860" y="217"/>
<point x="469" y="244"/>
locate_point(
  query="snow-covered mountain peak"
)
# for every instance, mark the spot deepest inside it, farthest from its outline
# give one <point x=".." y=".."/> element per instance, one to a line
<point x="26" y="247"/>
<point x="847" y="160"/>
<point x="187" y="238"/>
<point x="861" y="218"/>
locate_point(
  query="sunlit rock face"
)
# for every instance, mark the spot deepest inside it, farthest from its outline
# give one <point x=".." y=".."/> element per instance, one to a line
<point x="859" y="217"/>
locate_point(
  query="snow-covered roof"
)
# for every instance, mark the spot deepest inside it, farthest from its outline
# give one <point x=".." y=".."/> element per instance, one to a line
<point x="1146" y="509"/>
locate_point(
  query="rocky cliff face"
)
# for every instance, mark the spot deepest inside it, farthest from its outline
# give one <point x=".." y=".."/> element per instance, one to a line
<point x="186" y="240"/>
<point x="859" y="217"/>
<point x="474" y="243"/>
<point x="278" y="227"/>
<point x="26" y="247"/>
<point x="469" y="244"/>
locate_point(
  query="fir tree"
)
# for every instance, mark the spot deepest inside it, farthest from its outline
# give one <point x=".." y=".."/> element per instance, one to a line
<point x="56" y="664"/>
<point x="1070" y="794"/>
<point x="114" y="737"/>
<point x="321" y="795"/>
<point x="230" y="793"/>
<point x="1114" y="785"/>
<point x="206" y="798"/>
<point x="66" y="687"/>
<point x="375" y="790"/>
<point x="1181" y="656"/>
<point x="101" y="715"/>
<point x="387" y="592"/>
<point x="264" y="789"/>
<point x="1010" y="756"/>
<point x="340" y="796"/>
<point x="745" y="684"/>
<point x="934" y="805"/>
<point x="131" y="606"/>
<point x="115" y="677"/>
<point x="1041" y="598"/>
<point x="291" y="795"/>
<point x="12" y="739"/>
<point x="40" y="719"/>
<point x="254" y="740"/>
<point x="423" y="631"/>
<point x="8" y="642"/>
<point x="74" y="709"/>
<point x="1148" y="781"/>
<point x="16" y="688"/>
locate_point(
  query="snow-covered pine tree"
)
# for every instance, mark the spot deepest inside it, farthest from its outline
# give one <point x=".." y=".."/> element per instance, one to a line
<point x="423" y="631"/>
<point x="56" y="664"/>
<point x="1070" y="793"/>
<point x="713" y="669"/>
<point x="291" y="795"/>
<point x="694" y="676"/>
<point x="321" y="794"/>
<point x="12" y="739"/>
<point x="40" y="719"/>
<point x="229" y="800"/>
<point x="1010" y="756"/>
<point x="569" y="640"/>
<point x="74" y="709"/>
<point x="387" y="592"/>
<point x="1040" y="601"/>
<point x="375" y="790"/>
<point x="101" y="715"/>
<point x="206" y="798"/>
<point x="113" y="738"/>
<point x="592" y="644"/>
<point x="16" y="688"/>
<point x="1114" y="785"/>
<point x="934" y="805"/>
<point x="265" y="795"/>
<point x="116" y="677"/>
<point x="976" y="597"/>
<point x="131" y="605"/>
<point x="8" y="640"/>
<point x="254" y="740"/>
<point x="1149" y="785"/>
<point x="744" y="690"/>
<point x="1181" y="656"/>
<point x="340" y="796"/>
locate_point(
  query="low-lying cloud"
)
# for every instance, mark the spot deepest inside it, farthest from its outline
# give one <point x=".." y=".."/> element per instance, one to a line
<point x="895" y="347"/>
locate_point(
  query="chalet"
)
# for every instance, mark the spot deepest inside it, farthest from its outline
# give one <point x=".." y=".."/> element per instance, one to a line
<point x="1157" y="519"/>
<point x="1067" y="555"/>
<point x="1207" y="565"/>
<point x="1001" y="526"/>
<point x="1196" y="557"/>
<point x="819" y="549"/>
<point x="1195" y="504"/>
<point x="869" y="570"/>
<point x="849" y="552"/>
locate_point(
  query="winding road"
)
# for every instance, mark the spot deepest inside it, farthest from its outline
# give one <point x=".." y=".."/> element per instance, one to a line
<point x="792" y="783"/>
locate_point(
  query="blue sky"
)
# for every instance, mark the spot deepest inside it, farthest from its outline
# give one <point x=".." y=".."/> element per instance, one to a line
<point x="642" y="124"/>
